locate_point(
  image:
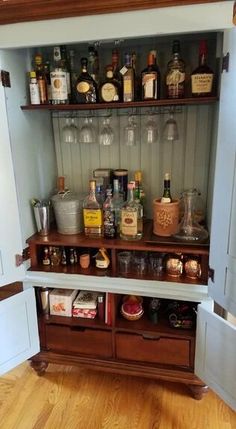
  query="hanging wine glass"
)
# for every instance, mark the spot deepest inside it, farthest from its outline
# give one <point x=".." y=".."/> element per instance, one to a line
<point x="170" y="132"/>
<point x="106" y="136"/>
<point x="70" y="132"/>
<point x="130" y="132"/>
<point x="150" y="131"/>
<point x="87" y="132"/>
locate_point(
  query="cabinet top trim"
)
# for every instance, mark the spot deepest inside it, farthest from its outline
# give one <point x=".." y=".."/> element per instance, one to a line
<point x="13" y="11"/>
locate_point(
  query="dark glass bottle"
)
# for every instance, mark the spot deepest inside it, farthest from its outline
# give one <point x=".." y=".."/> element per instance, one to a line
<point x="202" y="77"/>
<point x="166" y="197"/>
<point x="151" y="80"/>
<point x="73" y="75"/>
<point x="86" y="87"/>
<point x="93" y="64"/>
<point x="175" y="77"/>
<point x="110" y="90"/>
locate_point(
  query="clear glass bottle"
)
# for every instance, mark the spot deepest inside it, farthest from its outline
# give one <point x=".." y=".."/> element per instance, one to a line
<point x="109" y="229"/>
<point x="166" y="197"/>
<point x="58" y="79"/>
<point x="139" y="191"/>
<point x="110" y="88"/>
<point x="128" y="79"/>
<point x="92" y="213"/>
<point x="175" y="77"/>
<point x="202" y="77"/>
<point x="86" y="87"/>
<point x="151" y="80"/>
<point x="131" y="226"/>
<point x="117" y="201"/>
<point x="189" y="228"/>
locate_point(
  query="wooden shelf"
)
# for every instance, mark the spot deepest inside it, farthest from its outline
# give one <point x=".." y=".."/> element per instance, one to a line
<point x="72" y="269"/>
<point x="74" y="322"/>
<point x="97" y="106"/>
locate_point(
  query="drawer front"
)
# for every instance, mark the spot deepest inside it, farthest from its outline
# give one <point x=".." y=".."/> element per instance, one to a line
<point x="83" y="341"/>
<point x="153" y="349"/>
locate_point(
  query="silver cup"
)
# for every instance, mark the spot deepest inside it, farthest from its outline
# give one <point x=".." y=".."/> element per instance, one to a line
<point x="42" y="218"/>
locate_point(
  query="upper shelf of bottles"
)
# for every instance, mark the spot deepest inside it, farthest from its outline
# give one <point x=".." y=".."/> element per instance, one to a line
<point x="117" y="105"/>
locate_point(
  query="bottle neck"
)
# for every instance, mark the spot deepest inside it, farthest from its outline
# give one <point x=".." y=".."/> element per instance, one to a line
<point x="202" y="59"/>
<point x="130" y="196"/>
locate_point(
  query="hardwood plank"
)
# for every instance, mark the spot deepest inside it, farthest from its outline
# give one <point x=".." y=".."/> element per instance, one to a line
<point x="73" y="398"/>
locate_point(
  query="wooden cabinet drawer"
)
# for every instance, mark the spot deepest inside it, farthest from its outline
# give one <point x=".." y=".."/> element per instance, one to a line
<point x="79" y="340"/>
<point x="153" y="349"/>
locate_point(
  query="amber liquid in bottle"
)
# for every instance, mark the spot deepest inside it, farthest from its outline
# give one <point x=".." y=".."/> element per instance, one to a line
<point x="151" y="80"/>
<point x="175" y="77"/>
<point x="202" y="77"/>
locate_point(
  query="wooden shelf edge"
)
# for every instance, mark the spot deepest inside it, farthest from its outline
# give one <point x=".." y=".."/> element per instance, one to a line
<point x="97" y="106"/>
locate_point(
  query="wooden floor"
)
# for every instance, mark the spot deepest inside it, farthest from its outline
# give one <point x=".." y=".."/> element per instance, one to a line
<point x="74" y="398"/>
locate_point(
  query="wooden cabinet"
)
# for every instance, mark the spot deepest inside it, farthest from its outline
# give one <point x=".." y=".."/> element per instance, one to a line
<point x="31" y="157"/>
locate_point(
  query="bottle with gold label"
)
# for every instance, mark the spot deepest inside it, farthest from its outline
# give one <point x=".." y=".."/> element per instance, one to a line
<point x="128" y="79"/>
<point x="92" y="213"/>
<point x="131" y="226"/>
<point x="110" y="89"/>
<point x="58" y="77"/>
<point x="86" y="87"/>
<point x="202" y="77"/>
<point x="175" y="77"/>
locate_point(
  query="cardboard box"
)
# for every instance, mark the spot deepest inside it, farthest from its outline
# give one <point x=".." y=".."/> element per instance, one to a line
<point x="61" y="302"/>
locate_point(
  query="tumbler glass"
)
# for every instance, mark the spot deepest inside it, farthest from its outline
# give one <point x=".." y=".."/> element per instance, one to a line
<point x="140" y="263"/>
<point x="124" y="263"/>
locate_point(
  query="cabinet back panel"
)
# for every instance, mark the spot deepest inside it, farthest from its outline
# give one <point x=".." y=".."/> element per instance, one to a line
<point x="187" y="158"/>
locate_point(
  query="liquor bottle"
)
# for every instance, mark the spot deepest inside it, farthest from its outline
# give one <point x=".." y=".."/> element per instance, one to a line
<point x="41" y="79"/>
<point x="115" y="65"/>
<point x="66" y="66"/>
<point x="34" y="89"/>
<point x="46" y="257"/>
<point x="117" y="201"/>
<point x="151" y="80"/>
<point x="93" y="64"/>
<point x="138" y="190"/>
<point x="73" y="75"/>
<point x="58" y="79"/>
<point x="128" y="79"/>
<point x="131" y="226"/>
<point x="63" y="257"/>
<point x="109" y="229"/>
<point x="86" y="87"/>
<point x="48" y="80"/>
<point x="166" y="197"/>
<point x="110" y="89"/>
<point x="175" y="77"/>
<point x="202" y="77"/>
<point x="92" y="213"/>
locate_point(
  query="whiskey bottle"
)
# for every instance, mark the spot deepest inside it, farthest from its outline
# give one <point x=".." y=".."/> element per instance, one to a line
<point x="109" y="229"/>
<point x="66" y="66"/>
<point x="110" y="89"/>
<point x="128" y="79"/>
<point x="93" y="64"/>
<point x="41" y="79"/>
<point x="86" y="87"/>
<point x="58" y="79"/>
<point x="92" y="213"/>
<point x="151" y="80"/>
<point x="202" y="77"/>
<point x="175" y="77"/>
<point x="166" y="197"/>
<point x="131" y="226"/>
<point x="115" y="66"/>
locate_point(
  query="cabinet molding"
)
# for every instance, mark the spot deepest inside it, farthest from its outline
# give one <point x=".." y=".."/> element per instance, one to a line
<point x="14" y="11"/>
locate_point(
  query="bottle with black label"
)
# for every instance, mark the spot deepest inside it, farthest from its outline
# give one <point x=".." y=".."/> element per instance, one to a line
<point x="86" y="87"/>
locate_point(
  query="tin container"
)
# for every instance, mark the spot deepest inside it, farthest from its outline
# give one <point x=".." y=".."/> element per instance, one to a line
<point x="68" y="213"/>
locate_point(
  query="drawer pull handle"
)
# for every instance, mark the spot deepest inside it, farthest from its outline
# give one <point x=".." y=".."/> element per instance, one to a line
<point x="151" y="337"/>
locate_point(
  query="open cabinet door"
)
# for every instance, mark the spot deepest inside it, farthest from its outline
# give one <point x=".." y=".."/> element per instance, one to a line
<point x="223" y="231"/>
<point x="215" y="362"/>
<point x="19" y="339"/>
<point x="10" y="232"/>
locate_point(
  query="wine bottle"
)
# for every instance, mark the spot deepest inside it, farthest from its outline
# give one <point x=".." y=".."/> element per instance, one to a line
<point x="166" y="197"/>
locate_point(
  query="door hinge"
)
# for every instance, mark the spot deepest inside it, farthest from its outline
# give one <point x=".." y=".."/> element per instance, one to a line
<point x="5" y="78"/>
<point x="211" y="274"/>
<point x="23" y="257"/>
<point x="225" y="63"/>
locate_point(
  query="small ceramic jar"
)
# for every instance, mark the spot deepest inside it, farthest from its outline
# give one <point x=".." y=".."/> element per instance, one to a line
<point x="174" y="265"/>
<point x="84" y="260"/>
<point x="192" y="267"/>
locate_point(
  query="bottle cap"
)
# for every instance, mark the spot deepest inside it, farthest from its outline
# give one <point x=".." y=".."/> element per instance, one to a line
<point x="203" y="47"/>
<point x="167" y="176"/>
<point x="151" y="59"/>
<point x="33" y="74"/>
<point x="38" y="59"/>
<point x="138" y="176"/>
<point x="176" y="47"/>
<point x="131" y="185"/>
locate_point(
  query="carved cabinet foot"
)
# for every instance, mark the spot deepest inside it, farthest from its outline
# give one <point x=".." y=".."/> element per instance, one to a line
<point x="198" y="391"/>
<point x="39" y="366"/>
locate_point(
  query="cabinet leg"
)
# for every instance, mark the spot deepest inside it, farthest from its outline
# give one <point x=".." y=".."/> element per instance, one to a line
<point x="198" y="391"/>
<point x="39" y="366"/>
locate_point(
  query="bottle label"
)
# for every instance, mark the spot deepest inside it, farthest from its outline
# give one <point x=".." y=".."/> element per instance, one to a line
<point x="175" y="84"/>
<point x="59" y="85"/>
<point x="127" y="89"/>
<point x="202" y="83"/>
<point x="108" y="92"/>
<point x="165" y="200"/>
<point x="83" y="87"/>
<point x="129" y="222"/>
<point x="92" y="218"/>
<point x="149" y="82"/>
<point x="34" y="93"/>
<point x="42" y="90"/>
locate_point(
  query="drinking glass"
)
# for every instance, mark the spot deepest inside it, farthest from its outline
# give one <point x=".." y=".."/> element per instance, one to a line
<point x="170" y="132"/>
<point x="87" y="132"/>
<point x="150" y="131"/>
<point x="70" y="132"/>
<point x="124" y="262"/>
<point x="106" y="136"/>
<point x="130" y="132"/>
<point x="140" y="263"/>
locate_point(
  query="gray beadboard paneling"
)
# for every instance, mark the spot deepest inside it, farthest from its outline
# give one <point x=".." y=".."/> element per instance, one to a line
<point x="187" y="159"/>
